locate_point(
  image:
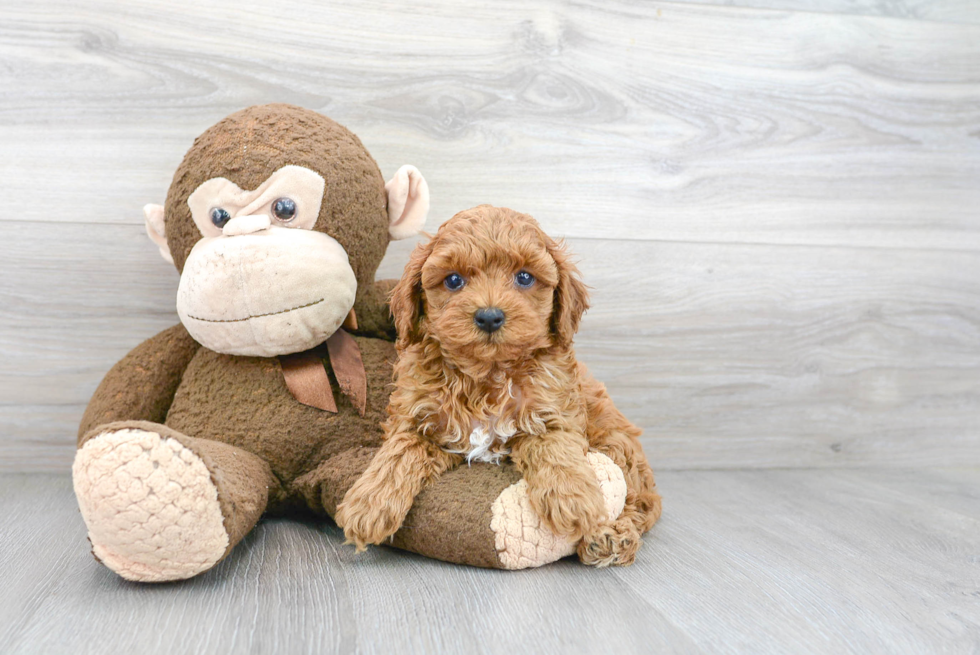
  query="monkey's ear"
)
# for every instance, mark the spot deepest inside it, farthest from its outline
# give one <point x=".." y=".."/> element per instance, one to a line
<point x="157" y="230"/>
<point x="408" y="202"/>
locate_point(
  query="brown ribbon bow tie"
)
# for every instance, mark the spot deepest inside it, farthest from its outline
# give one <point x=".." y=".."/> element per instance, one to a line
<point x="307" y="380"/>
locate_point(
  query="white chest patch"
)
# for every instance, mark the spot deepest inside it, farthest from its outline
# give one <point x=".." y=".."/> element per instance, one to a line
<point x="488" y="438"/>
<point x="488" y="443"/>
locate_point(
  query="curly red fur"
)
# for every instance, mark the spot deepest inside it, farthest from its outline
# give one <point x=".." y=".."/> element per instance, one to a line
<point x="521" y="382"/>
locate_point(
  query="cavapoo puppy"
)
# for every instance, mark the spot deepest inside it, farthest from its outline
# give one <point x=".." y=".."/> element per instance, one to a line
<point x="486" y="312"/>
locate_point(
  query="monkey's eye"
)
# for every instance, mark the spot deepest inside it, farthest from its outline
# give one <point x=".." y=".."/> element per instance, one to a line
<point x="454" y="281"/>
<point x="220" y="216"/>
<point x="284" y="209"/>
<point x="524" y="280"/>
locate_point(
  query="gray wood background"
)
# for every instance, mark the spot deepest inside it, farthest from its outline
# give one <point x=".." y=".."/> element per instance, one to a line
<point x="776" y="202"/>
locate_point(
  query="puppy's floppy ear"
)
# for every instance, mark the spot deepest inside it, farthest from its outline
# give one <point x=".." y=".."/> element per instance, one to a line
<point x="571" y="297"/>
<point x="406" y="298"/>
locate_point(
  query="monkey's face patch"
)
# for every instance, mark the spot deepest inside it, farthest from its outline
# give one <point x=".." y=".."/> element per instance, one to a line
<point x="260" y="219"/>
<point x="290" y="197"/>
<point x="262" y="282"/>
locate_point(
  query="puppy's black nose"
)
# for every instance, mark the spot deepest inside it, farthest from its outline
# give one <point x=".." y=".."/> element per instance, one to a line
<point x="489" y="319"/>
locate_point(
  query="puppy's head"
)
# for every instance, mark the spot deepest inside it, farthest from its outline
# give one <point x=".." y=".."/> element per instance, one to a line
<point x="490" y="286"/>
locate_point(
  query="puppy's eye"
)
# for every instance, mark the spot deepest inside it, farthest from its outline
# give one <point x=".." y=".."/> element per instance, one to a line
<point x="524" y="279"/>
<point x="220" y="216"/>
<point x="454" y="281"/>
<point x="284" y="209"/>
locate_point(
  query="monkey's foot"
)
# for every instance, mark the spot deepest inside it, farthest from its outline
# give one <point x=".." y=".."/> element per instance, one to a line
<point x="521" y="539"/>
<point x="150" y="505"/>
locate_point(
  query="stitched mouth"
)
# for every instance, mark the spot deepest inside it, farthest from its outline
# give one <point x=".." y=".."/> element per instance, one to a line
<point x="239" y="320"/>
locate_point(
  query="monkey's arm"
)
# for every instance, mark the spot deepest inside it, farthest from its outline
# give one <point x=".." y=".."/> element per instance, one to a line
<point x="373" y="315"/>
<point x="141" y="386"/>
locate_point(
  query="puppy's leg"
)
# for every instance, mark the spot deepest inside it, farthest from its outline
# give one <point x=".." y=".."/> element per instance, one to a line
<point x="375" y="507"/>
<point x="616" y="544"/>
<point x="613" y="435"/>
<point x="561" y="485"/>
<point x="642" y="499"/>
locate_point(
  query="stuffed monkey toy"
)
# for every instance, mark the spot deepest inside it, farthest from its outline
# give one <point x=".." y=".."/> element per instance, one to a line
<point x="269" y="395"/>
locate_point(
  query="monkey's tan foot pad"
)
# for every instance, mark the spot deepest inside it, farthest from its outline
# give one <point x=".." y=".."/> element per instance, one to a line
<point x="150" y="506"/>
<point x="521" y="539"/>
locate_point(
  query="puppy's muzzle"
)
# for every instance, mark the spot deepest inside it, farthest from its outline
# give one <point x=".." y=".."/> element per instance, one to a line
<point x="489" y="319"/>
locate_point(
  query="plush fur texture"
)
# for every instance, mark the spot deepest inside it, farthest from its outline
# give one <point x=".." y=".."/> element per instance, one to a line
<point x="250" y="145"/>
<point x="454" y="381"/>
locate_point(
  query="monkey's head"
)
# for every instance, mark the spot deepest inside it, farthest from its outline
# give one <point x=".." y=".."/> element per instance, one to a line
<point x="277" y="219"/>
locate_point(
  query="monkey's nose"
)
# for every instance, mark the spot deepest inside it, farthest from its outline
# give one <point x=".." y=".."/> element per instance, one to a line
<point x="246" y="225"/>
<point x="489" y="319"/>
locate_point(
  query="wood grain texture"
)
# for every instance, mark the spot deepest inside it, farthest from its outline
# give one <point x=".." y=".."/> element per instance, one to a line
<point x="834" y="561"/>
<point x="726" y="355"/>
<point x="949" y="11"/>
<point x="742" y="562"/>
<point x="777" y="207"/>
<point x="619" y="119"/>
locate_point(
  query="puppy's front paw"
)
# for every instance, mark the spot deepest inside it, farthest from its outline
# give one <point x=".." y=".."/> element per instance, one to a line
<point x="366" y="519"/>
<point x="569" y="502"/>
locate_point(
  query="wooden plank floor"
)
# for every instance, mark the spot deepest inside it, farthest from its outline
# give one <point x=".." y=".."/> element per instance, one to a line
<point x="777" y="561"/>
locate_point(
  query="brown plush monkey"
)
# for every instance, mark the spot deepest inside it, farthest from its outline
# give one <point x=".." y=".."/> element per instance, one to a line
<point x="261" y="400"/>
